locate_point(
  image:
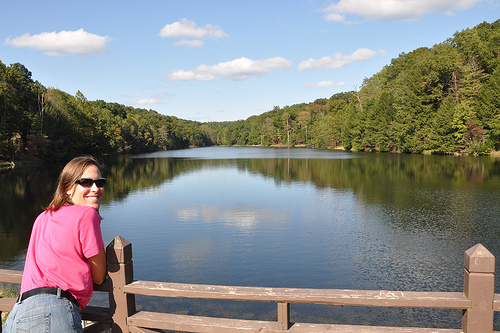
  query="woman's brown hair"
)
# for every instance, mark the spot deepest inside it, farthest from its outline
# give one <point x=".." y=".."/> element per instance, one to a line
<point x="69" y="175"/>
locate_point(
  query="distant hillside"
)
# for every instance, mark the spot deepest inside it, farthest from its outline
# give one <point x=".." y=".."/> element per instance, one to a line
<point x="49" y="124"/>
<point x="444" y="99"/>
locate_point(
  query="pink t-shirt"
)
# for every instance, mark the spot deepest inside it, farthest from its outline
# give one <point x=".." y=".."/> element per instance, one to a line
<point x="59" y="245"/>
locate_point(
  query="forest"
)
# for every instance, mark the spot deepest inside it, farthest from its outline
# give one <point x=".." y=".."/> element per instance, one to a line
<point x="440" y="100"/>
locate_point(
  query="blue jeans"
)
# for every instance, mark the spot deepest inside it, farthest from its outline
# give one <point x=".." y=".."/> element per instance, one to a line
<point x="44" y="313"/>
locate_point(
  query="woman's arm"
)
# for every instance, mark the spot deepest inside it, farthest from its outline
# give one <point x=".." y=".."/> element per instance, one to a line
<point x="98" y="267"/>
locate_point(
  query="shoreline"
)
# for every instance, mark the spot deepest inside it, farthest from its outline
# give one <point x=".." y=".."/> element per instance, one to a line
<point x="7" y="165"/>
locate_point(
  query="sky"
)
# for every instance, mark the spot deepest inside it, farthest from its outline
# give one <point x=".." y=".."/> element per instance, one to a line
<point x="222" y="60"/>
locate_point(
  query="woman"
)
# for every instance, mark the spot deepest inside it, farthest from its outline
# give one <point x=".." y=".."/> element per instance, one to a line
<point x="65" y="254"/>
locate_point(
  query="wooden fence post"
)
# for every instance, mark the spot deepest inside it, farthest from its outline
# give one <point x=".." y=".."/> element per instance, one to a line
<point x="120" y="271"/>
<point x="479" y="287"/>
<point x="283" y="316"/>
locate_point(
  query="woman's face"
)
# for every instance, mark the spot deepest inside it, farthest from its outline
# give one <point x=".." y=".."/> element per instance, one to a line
<point x="91" y="196"/>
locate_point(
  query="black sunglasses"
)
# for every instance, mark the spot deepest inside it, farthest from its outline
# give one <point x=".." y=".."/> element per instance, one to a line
<point x="87" y="182"/>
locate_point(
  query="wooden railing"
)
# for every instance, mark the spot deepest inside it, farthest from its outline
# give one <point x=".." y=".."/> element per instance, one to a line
<point x="478" y="301"/>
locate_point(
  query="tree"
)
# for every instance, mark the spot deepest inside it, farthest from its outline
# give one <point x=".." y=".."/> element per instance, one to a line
<point x="487" y="108"/>
<point x="304" y="123"/>
<point x="447" y="128"/>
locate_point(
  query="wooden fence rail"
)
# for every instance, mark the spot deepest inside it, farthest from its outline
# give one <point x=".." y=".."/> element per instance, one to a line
<point x="478" y="301"/>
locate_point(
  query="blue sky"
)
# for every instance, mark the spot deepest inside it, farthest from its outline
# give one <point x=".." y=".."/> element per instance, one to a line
<point x="222" y="60"/>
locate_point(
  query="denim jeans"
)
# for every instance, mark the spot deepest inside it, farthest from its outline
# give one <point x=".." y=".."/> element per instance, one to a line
<point x="44" y="313"/>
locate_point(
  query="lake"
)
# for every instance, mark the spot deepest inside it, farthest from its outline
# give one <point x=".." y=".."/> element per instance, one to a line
<point x="303" y="218"/>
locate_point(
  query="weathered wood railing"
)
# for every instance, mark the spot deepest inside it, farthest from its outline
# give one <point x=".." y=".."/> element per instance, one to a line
<point x="478" y="301"/>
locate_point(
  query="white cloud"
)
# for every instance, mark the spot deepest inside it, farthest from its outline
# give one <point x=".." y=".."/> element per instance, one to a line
<point x="62" y="43"/>
<point x="393" y="9"/>
<point x="336" y="17"/>
<point x="147" y="101"/>
<point x="190" y="34"/>
<point x="238" y="69"/>
<point x="190" y="43"/>
<point x="338" y="60"/>
<point x="325" y="84"/>
<point x="181" y="75"/>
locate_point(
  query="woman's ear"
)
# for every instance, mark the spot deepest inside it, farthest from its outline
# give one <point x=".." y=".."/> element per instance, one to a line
<point x="70" y="192"/>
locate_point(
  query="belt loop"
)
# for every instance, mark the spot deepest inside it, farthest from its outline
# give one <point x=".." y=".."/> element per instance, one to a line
<point x="19" y="299"/>
<point x="58" y="292"/>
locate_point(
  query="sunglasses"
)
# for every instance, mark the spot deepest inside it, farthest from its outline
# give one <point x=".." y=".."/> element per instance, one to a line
<point x="87" y="182"/>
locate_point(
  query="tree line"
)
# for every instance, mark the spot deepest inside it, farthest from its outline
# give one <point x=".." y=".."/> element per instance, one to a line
<point x="444" y="99"/>
<point x="47" y="123"/>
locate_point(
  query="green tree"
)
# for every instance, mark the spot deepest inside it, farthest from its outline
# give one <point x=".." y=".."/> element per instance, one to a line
<point x="487" y="108"/>
<point x="446" y="128"/>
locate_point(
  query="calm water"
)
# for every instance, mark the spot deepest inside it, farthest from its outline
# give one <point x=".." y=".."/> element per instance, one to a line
<point x="285" y="218"/>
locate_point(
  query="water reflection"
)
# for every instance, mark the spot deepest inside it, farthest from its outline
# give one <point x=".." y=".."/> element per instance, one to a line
<point x="243" y="217"/>
<point x="266" y="217"/>
<point x="22" y="193"/>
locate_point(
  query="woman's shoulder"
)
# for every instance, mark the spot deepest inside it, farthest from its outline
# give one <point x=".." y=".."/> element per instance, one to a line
<point x="75" y="209"/>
